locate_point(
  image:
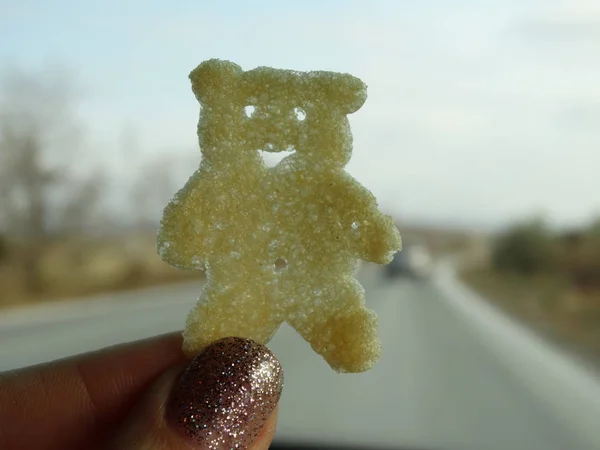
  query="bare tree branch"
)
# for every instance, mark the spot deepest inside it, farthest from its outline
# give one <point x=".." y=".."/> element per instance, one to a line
<point x="154" y="187"/>
<point x="40" y="135"/>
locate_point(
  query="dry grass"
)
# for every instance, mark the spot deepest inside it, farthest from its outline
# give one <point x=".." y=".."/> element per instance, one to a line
<point x="78" y="267"/>
<point x="547" y="303"/>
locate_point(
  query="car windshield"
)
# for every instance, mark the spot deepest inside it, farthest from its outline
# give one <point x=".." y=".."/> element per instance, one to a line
<point x="479" y="137"/>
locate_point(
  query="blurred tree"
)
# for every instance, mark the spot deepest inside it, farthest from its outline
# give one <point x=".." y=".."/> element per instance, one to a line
<point x="581" y="260"/>
<point x="156" y="184"/>
<point x="3" y="248"/>
<point x="526" y="248"/>
<point x="42" y="195"/>
<point x="594" y="229"/>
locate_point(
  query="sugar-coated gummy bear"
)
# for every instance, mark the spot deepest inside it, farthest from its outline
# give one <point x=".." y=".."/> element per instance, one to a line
<point x="236" y="217"/>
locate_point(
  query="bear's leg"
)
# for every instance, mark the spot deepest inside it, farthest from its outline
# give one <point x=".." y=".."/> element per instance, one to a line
<point x="344" y="335"/>
<point x="237" y="311"/>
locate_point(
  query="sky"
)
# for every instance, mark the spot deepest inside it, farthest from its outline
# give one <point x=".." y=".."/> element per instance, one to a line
<point x="479" y="112"/>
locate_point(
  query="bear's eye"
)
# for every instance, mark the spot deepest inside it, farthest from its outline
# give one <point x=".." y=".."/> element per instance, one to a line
<point x="300" y="114"/>
<point x="249" y="110"/>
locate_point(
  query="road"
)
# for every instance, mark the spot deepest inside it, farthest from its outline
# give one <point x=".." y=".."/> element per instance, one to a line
<point x="440" y="384"/>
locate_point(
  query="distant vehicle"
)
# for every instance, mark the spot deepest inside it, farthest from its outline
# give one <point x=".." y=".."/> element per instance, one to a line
<point x="414" y="260"/>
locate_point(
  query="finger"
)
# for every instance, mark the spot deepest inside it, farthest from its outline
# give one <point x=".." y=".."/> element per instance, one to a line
<point x="266" y="435"/>
<point x="73" y="403"/>
<point x="225" y="398"/>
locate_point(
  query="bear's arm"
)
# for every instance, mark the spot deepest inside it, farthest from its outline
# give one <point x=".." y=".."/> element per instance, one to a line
<point x="180" y="242"/>
<point x="373" y="235"/>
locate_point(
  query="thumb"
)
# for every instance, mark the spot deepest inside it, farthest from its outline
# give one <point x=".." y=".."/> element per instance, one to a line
<point x="226" y="398"/>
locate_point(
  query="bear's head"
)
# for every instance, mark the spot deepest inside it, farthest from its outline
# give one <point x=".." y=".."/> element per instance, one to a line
<point x="304" y="111"/>
<point x="276" y="110"/>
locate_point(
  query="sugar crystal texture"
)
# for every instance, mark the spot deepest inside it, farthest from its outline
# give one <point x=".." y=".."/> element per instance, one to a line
<point x="278" y="243"/>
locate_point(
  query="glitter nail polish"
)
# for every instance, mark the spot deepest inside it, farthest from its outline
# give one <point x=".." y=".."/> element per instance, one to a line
<point x="226" y="394"/>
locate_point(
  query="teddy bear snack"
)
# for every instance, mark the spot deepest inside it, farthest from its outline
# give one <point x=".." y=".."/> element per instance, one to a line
<point x="278" y="243"/>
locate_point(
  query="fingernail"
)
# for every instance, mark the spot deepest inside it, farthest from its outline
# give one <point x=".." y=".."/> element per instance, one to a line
<point x="226" y="394"/>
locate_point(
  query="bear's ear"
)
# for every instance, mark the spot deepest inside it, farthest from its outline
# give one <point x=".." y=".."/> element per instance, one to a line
<point x="342" y="91"/>
<point x="215" y="78"/>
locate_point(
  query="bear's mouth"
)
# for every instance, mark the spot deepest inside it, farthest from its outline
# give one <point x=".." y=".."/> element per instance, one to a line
<point x="272" y="154"/>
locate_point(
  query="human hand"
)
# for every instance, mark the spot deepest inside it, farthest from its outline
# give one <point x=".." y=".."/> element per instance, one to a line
<point x="145" y="395"/>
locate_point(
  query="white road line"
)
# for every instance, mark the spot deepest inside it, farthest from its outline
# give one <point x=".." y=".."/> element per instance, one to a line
<point x="567" y="388"/>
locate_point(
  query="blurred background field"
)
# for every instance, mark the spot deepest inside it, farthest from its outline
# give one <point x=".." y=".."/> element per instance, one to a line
<point x="80" y="266"/>
<point x="59" y="237"/>
<point x="549" y="279"/>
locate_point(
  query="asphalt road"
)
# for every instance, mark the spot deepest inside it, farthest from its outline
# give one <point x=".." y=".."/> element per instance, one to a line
<point x="439" y="384"/>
